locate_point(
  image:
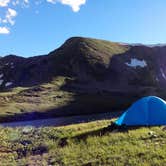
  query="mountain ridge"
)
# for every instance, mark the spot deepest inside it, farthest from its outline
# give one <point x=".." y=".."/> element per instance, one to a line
<point x="87" y="59"/>
<point x="91" y="38"/>
<point x="83" y="76"/>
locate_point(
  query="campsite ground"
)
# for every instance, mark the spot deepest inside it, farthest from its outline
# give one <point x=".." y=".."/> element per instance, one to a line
<point x="82" y="144"/>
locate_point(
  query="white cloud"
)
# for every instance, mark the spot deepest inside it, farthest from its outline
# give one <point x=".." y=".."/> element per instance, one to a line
<point x="7" y="20"/>
<point x="51" y="1"/>
<point x="26" y="1"/>
<point x="15" y="3"/>
<point x="74" y="4"/>
<point x="4" y="30"/>
<point x="10" y="14"/>
<point x="4" y="3"/>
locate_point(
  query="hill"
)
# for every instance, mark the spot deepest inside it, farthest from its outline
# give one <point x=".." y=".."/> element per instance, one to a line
<point x="82" y="58"/>
<point x="83" y="76"/>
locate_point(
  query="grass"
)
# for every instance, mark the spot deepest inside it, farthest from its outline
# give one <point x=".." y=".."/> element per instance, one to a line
<point x="106" y="46"/>
<point x="41" y="98"/>
<point x="51" y="100"/>
<point x="101" y="51"/>
<point x="66" y="146"/>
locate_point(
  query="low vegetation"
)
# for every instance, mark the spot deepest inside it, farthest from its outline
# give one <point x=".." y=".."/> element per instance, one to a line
<point x="19" y="103"/>
<point x="52" y="100"/>
<point x="82" y="145"/>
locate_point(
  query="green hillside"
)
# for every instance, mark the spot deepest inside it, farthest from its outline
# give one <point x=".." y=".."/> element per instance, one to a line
<point x="83" y="76"/>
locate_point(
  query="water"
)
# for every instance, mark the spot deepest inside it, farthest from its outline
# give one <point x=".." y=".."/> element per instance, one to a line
<point x="62" y="121"/>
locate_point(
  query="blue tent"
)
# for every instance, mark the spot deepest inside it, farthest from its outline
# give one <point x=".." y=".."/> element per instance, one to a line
<point x="148" y="111"/>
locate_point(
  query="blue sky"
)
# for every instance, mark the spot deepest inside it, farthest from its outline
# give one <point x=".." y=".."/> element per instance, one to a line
<point x="36" y="27"/>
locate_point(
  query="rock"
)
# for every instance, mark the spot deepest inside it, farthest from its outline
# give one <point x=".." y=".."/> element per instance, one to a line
<point x="27" y="129"/>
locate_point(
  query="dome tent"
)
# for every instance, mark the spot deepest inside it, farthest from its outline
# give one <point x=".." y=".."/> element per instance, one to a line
<point x="148" y="111"/>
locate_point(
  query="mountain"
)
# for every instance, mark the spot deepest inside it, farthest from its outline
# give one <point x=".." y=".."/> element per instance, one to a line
<point x="83" y="76"/>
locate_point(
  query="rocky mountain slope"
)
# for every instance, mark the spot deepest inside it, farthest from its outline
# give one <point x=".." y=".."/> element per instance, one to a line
<point x="95" y="61"/>
<point x="100" y="76"/>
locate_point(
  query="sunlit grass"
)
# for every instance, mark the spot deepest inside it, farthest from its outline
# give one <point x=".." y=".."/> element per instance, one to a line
<point x="64" y="146"/>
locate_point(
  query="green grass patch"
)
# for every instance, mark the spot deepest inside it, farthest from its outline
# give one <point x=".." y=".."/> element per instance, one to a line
<point x="64" y="146"/>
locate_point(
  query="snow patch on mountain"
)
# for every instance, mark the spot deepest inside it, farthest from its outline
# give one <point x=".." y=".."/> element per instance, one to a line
<point x="8" y="84"/>
<point x="162" y="73"/>
<point x="1" y="82"/>
<point x="12" y="65"/>
<point x="136" y="63"/>
<point x="1" y="75"/>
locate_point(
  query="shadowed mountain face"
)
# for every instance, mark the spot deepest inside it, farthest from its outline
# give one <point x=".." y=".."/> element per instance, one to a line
<point x="92" y="63"/>
<point x="115" y="72"/>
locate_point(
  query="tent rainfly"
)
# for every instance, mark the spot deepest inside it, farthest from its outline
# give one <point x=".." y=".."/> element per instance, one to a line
<point x="148" y="111"/>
